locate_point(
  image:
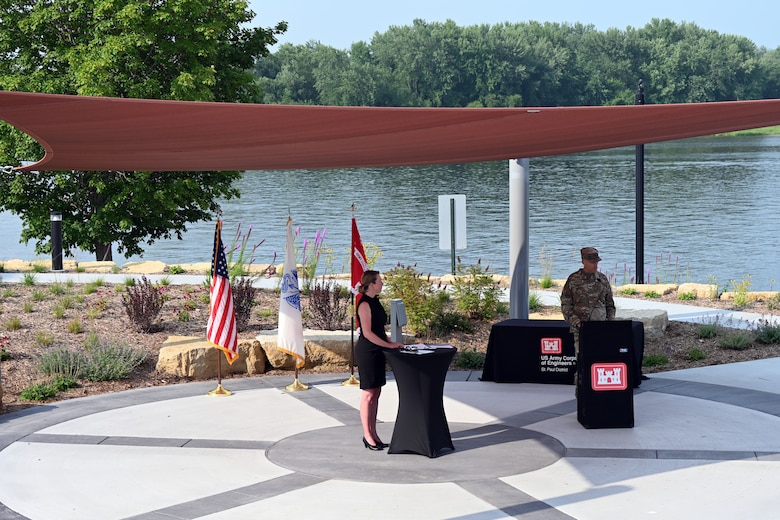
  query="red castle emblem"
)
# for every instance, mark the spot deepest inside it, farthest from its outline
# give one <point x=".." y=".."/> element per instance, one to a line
<point x="608" y="376"/>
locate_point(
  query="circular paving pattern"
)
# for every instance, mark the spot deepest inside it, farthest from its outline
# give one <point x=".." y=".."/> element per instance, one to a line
<point x="481" y="452"/>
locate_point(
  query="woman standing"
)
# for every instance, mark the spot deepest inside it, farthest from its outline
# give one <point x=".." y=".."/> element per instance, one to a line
<point x="371" y="318"/>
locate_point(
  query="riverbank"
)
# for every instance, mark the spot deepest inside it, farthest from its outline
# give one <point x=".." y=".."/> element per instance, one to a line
<point x="55" y="311"/>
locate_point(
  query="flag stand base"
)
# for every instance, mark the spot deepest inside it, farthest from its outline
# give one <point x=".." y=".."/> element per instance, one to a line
<point x="296" y="386"/>
<point x="219" y="391"/>
<point x="352" y="381"/>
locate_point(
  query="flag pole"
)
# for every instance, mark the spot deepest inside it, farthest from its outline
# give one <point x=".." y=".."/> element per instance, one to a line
<point x="296" y="386"/>
<point x="290" y="335"/>
<point x="219" y="391"/>
<point x="352" y="381"/>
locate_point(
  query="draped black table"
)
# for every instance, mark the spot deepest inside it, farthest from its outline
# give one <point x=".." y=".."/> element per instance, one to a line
<point x="541" y="351"/>
<point x="530" y="351"/>
<point x="421" y="425"/>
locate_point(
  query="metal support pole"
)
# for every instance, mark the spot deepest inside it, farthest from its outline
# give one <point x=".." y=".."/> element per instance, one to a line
<point x="56" y="240"/>
<point x="518" y="238"/>
<point x="640" y="197"/>
<point x="452" y="235"/>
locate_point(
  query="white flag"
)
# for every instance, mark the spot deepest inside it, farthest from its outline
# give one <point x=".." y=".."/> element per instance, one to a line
<point x="290" y="337"/>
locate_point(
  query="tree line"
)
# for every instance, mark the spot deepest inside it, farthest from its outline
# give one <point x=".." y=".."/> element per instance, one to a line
<point x="522" y="64"/>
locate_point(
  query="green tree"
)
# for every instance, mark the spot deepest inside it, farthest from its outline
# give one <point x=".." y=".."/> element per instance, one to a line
<point x="194" y="50"/>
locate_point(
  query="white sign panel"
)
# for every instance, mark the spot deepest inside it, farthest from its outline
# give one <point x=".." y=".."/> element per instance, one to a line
<point x="445" y="221"/>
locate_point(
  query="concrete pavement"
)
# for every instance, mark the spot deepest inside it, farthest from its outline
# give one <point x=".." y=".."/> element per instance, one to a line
<point x="706" y="444"/>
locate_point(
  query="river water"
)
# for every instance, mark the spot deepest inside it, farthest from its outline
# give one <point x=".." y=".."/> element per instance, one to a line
<point x="712" y="212"/>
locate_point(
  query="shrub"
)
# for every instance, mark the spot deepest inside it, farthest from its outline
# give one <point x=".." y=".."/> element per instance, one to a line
<point x="143" y="303"/>
<point x="62" y="362"/>
<point x="417" y="293"/>
<point x="652" y="294"/>
<point x="38" y="295"/>
<point x="75" y="327"/>
<point x="63" y="383"/>
<point x="37" y="392"/>
<point x="243" y="300"/>
<point x="92" y="287"/>
<point x="13" y="324"/>
<point x="470" y="360"/>
<point x="176" y="269"/>
<point x="112" y="361"/>
<point x="707" y="330"/>
<point x="328" y="305"/>
<point x="534" y="302"/>
<point x="29" y="279"/>
<point x="686" y="296"/>
<point x="767" y="333"/>
<point x="628" y="291"/>
<point x="56" y="288"/>
<point x="59" y="311"/>
<point x="735" y="341"/>
<point x="655" y="360"/>
<point x="446" y="322"/>
<point x="741" y="295"/>
<point x="476" y="293"/>
<point x="44" y="338"/>
<point x="696" y="354"/>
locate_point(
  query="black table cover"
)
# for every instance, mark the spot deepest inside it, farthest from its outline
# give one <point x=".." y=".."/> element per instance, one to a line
<point x="421" y="425"/>
<point x="530" y="351"/>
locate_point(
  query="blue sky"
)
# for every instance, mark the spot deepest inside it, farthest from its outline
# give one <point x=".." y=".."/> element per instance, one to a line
<point x="338" y="23"/>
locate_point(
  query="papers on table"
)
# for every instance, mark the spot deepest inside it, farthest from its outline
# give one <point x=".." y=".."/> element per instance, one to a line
<point x="422" y="348"/>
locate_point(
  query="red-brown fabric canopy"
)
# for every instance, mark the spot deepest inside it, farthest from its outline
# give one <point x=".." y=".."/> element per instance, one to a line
<point x="99" y="133"/>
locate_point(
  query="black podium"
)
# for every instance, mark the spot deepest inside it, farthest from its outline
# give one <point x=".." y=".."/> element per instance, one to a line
<point x="606" y="374"/>
<point x="421" y="425"/>
<point x="530" y="351"/>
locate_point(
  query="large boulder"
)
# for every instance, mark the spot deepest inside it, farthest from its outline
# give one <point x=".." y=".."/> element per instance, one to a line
<point x="703" y="291"/>
<point x="654" y="321"/>
<point x="149" y="267"/>
<point x="321" y="348"/>
<point x="196" y="358"/>
<point x="98" y="267"/>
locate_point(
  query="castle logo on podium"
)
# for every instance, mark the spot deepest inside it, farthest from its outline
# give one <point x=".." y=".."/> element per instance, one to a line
<point x="552" y="346"/>
<point x="608" y="376"/>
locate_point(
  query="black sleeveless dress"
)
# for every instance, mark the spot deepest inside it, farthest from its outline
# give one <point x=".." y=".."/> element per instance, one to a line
<point x="371" y="357"/>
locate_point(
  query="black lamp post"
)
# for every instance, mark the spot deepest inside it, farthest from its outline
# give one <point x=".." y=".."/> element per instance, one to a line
<point x="640" y="197"/>
<point x="56" y="240"/>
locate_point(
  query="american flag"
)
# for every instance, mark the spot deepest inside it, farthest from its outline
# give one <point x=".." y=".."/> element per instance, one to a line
<point x="222" y="318"/>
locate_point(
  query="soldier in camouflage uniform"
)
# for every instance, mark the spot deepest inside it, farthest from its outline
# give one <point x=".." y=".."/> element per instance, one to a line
<point x="587" y="295"/>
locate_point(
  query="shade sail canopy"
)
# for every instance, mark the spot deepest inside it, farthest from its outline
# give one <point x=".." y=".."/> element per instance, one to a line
<point x="100" y="133"/>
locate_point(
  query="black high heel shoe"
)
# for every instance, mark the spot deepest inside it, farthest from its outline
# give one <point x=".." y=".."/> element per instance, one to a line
<point x="382" y="444"/>
<point x="372" y="447"/>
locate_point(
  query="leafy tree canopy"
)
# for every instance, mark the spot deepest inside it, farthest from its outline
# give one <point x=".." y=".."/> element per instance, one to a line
<point x="522" y="64"/>
<point x="195" y="50"/>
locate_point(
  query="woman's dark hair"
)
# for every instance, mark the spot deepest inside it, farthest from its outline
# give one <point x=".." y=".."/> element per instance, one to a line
<point x="367" y="279"/>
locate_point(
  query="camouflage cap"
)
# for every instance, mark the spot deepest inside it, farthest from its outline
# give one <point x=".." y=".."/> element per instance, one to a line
<point x="590" y="253"/>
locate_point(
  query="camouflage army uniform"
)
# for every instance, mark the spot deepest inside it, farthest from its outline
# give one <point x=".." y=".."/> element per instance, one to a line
<point x="586" y="297"/>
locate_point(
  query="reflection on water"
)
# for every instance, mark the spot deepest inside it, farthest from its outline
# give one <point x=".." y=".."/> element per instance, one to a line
<point x="711" y="210"/>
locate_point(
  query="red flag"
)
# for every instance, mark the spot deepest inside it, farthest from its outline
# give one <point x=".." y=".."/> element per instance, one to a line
<point x="221" y="331"/>
<point x="358" y="263"/>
